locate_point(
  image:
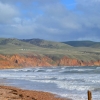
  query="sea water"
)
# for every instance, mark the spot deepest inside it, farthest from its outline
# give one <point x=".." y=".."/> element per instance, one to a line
<point x="68" y="82"/>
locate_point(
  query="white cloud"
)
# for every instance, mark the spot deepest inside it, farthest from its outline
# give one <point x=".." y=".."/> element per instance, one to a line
<point x="7" y="13"/>
<point x="50" y="19"/>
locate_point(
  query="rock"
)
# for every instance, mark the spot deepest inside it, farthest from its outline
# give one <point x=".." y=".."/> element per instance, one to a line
<point x="17" y="61"/>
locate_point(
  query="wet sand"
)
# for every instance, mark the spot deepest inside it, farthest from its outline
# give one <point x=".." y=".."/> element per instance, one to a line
<point x="13" y="93"/>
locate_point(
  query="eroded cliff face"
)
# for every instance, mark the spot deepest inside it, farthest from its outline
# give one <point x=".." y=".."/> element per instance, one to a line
<point x="18" y="61"/>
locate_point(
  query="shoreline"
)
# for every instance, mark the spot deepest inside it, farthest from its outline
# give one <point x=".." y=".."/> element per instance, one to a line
<point x="14" y="93"/>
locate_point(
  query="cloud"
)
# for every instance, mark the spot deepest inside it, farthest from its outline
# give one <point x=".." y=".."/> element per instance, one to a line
<point x="50" y="19"/>
<point x="7" y="12"/>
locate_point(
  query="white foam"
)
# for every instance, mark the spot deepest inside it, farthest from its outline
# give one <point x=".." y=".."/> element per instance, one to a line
<point x="76" y="82"/>
<point x="74" y="96"/>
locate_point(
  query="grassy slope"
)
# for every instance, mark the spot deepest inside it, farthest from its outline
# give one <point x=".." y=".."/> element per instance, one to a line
<point x="47" y="44"/>
<point x="83" y="44"/>
<point x="52" y="49"/>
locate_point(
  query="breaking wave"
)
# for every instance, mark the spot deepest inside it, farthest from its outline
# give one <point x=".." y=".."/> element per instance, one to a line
<point x="69" y="81"/>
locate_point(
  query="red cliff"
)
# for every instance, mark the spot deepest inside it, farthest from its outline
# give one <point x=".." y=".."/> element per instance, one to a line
<point x="17" y="61"/>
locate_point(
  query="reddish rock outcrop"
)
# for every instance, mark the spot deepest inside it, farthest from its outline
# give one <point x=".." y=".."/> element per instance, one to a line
<point x="18" y="61"/>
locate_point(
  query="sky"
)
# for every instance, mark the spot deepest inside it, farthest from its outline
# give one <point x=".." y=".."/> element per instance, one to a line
<point x="55" y="20"/>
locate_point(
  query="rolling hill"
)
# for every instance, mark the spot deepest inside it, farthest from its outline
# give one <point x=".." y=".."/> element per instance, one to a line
<point x="46" y="44"/>
<point x="78" y="50"/>
<point x="83" y="44"/>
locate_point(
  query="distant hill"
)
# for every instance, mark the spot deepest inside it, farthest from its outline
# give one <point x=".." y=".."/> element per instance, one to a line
<point x="81" y="50"/>
<point x="33" y="46"/>
<point x="13" y="42"/>
<point x="83" y="44"/>
<point x="46" y="44"/>
<point x="13" y="46"/>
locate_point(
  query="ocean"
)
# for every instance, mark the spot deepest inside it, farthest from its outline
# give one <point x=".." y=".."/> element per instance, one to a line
<point x="68" y="82"/>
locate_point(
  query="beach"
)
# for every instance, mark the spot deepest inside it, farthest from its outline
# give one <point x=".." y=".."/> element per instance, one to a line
<point x="13" y="93"/>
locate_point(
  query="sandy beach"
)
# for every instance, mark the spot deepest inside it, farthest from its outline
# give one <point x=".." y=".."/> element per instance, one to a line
<point x="13" y="93"/>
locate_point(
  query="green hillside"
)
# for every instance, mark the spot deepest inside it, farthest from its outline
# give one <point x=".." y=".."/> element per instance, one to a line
<point x="83" y="44"/>
<point x="46" y="44"/>
<point x="51" y="49"/>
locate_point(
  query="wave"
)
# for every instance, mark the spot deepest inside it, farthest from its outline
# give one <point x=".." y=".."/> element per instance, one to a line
<point x="73" y="80"/>
<point x="95" y="89"/>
